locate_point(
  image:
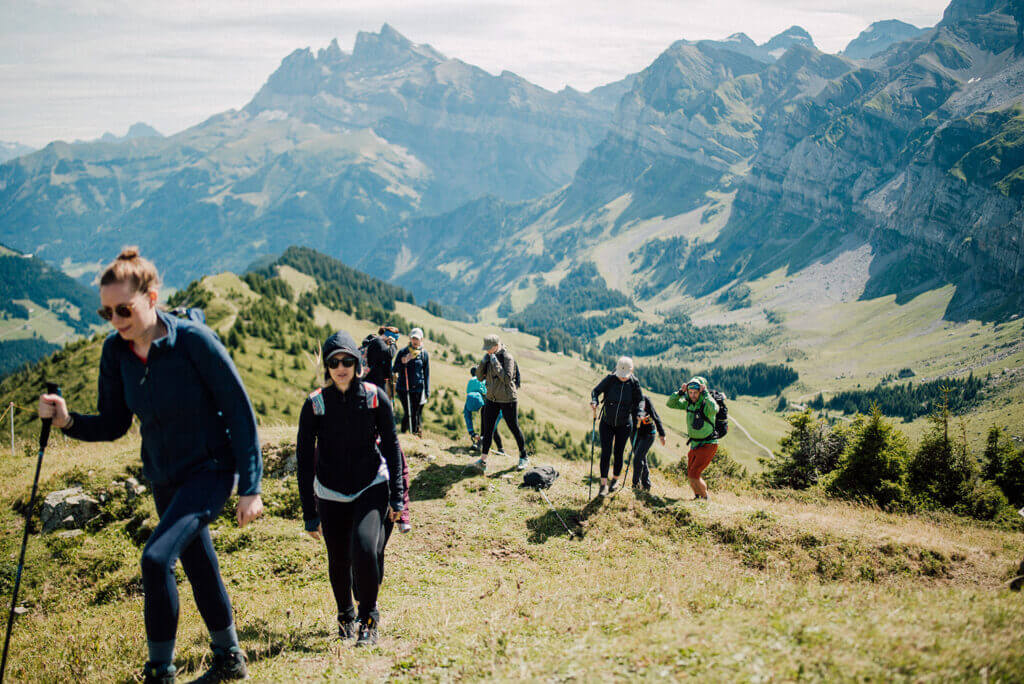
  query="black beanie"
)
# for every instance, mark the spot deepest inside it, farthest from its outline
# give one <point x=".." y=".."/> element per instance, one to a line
<point x="341" y="341"/>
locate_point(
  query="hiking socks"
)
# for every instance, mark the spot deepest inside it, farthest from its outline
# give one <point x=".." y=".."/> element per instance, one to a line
<point x="225" y="638"/>
<point x="161" y="652"/>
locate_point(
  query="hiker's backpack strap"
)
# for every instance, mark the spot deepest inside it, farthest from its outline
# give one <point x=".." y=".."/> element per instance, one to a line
<point x="316" y="398"/>
<point x="372" y="398"/>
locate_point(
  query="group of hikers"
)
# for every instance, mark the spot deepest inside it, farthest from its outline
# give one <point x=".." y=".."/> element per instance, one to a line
<point x="199" y="443"/>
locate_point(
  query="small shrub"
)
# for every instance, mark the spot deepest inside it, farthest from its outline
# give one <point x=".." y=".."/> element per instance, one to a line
<point x="873" y="465"/>
<point x="810" y="450"/>
<point x="983" y="500"/>
<point x="941" y="470"/>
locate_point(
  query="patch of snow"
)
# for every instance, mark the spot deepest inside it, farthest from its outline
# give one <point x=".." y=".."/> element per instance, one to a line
<point x="272" y="115"/>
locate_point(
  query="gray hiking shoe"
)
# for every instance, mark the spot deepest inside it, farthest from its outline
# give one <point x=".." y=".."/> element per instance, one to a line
<point x="158" y="674"/>
<point x="613" y="485"/>
<point x="523" y="464"/>
<point x="367" y="633"/>
<point x="603" y="491"/>
<point x="480" y="464"/>
<point x="348" y="628"/>
<point x="228" y="665"/>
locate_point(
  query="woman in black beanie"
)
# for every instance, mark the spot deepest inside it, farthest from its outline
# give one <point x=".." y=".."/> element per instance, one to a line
<point x="350" y="472"/>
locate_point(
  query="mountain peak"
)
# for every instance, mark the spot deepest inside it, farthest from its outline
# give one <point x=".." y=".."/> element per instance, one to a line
<point x="388" y="45"/>
<point x="794" y="35"/>
<point x="389" y="33"/>
<point x="142" y="130"/>
<point x="741" y="38"/>
<point x="879" y="36"/>
<point x="136" y="130"/>
<point x="331" y="53"/>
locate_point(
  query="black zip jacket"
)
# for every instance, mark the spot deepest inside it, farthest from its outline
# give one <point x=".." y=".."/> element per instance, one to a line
<point x="652" y="422"/>
<point x="415" y="375"/>
<point x="623" y="401"/>
<point x="349" y="455"/>
<point x="192" y="408"/>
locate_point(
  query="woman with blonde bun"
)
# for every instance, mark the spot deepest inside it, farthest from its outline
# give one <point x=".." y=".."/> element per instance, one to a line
<point x="198" y="441"/>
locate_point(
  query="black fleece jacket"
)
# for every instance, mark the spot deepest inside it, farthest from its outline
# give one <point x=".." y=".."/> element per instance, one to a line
<point x="623" y="400"/>
<point x="340" y="447"/>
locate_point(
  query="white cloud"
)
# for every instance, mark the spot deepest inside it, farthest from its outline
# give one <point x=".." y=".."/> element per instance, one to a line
<point x="76" y="68"/>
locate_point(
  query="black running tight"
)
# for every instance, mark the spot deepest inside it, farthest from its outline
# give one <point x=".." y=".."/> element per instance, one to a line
<point x="353" y="533"/>
<point x="613" y="438"/>
<point x="489" y="421"/>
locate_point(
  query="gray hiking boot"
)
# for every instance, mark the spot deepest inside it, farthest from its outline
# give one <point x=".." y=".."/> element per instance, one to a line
<point x="228" y="664"/>
<point x="523" y="464"/>
<point x="158" y="674"/>
<point x="613" y="485"/>
<point x="348" y="628"/>
<point x="603" y="491"/>
<point x="367" y="633"/>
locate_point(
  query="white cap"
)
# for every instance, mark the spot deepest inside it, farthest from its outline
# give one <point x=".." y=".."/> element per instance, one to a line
<point x="624" y="367"/>
<point x="417" y="332"/>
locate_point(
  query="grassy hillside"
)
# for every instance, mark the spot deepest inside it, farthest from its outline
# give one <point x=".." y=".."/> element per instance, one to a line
<point x="755" y="585"/>
<point x="39" y="307"/>
<point x="489" y="585"/>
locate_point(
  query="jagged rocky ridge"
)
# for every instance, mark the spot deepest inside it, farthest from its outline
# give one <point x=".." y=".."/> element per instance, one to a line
<point x="918" y="154"/>
<point x="331" y="152"/>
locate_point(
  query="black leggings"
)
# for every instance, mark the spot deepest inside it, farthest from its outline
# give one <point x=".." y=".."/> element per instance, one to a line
<point x="353" y="533"/>
<point x="641" y="472"/>
<point x="182" y="533"/>
<point x="489" y="423"/>
<point x="411" y="415"/>
<point x="619" y="435"/>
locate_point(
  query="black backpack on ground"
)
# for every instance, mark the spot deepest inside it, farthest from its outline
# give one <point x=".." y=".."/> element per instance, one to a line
<point x="540" y="477"/>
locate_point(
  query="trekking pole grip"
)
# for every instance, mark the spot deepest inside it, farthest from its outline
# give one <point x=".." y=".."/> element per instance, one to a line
<point x="44" y="434"/>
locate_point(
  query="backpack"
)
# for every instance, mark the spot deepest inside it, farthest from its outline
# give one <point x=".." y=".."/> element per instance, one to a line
<point x="722" y="417"/>
<point x="540" y="477"/>
<point x="316" y="398"/>
<point x="190" y="313"/>
<point x="364" y="359"/>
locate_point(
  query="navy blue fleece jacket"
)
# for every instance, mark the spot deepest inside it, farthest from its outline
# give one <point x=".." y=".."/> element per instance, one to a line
<point x="193" y="411"/>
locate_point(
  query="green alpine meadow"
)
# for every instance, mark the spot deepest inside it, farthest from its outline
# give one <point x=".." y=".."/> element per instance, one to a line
<point x="751" y="314"/>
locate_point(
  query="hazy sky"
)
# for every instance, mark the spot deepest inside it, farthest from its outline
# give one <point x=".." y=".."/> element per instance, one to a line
<point x="74" y="69"/>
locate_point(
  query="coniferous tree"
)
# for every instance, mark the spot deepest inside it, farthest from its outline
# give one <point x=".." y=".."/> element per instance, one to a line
<point x="941" y="470"/>
<point x="873" y="465"/>
<point x="810" y="450"/>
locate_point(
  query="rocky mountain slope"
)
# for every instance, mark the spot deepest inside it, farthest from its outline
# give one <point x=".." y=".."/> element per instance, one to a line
<point x="331" y="152"/>
<point x="41" y="308"/>
<point x="725" y="166"/>
<point x="10" y="150"/>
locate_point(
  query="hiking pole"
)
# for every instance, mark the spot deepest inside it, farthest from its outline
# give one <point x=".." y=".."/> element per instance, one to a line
<point x="44" y="437"/>
<point x="557" y="514"/>
<point x="632" y="452"/>
<point x="593" y="436"/>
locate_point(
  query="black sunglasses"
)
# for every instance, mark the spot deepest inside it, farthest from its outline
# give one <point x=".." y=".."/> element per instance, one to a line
<point x="335" y="361"/>
<point x="122" y="311"/>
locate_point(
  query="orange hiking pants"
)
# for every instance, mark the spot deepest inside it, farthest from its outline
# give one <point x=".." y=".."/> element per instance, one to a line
<point x="698" y="459"/>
